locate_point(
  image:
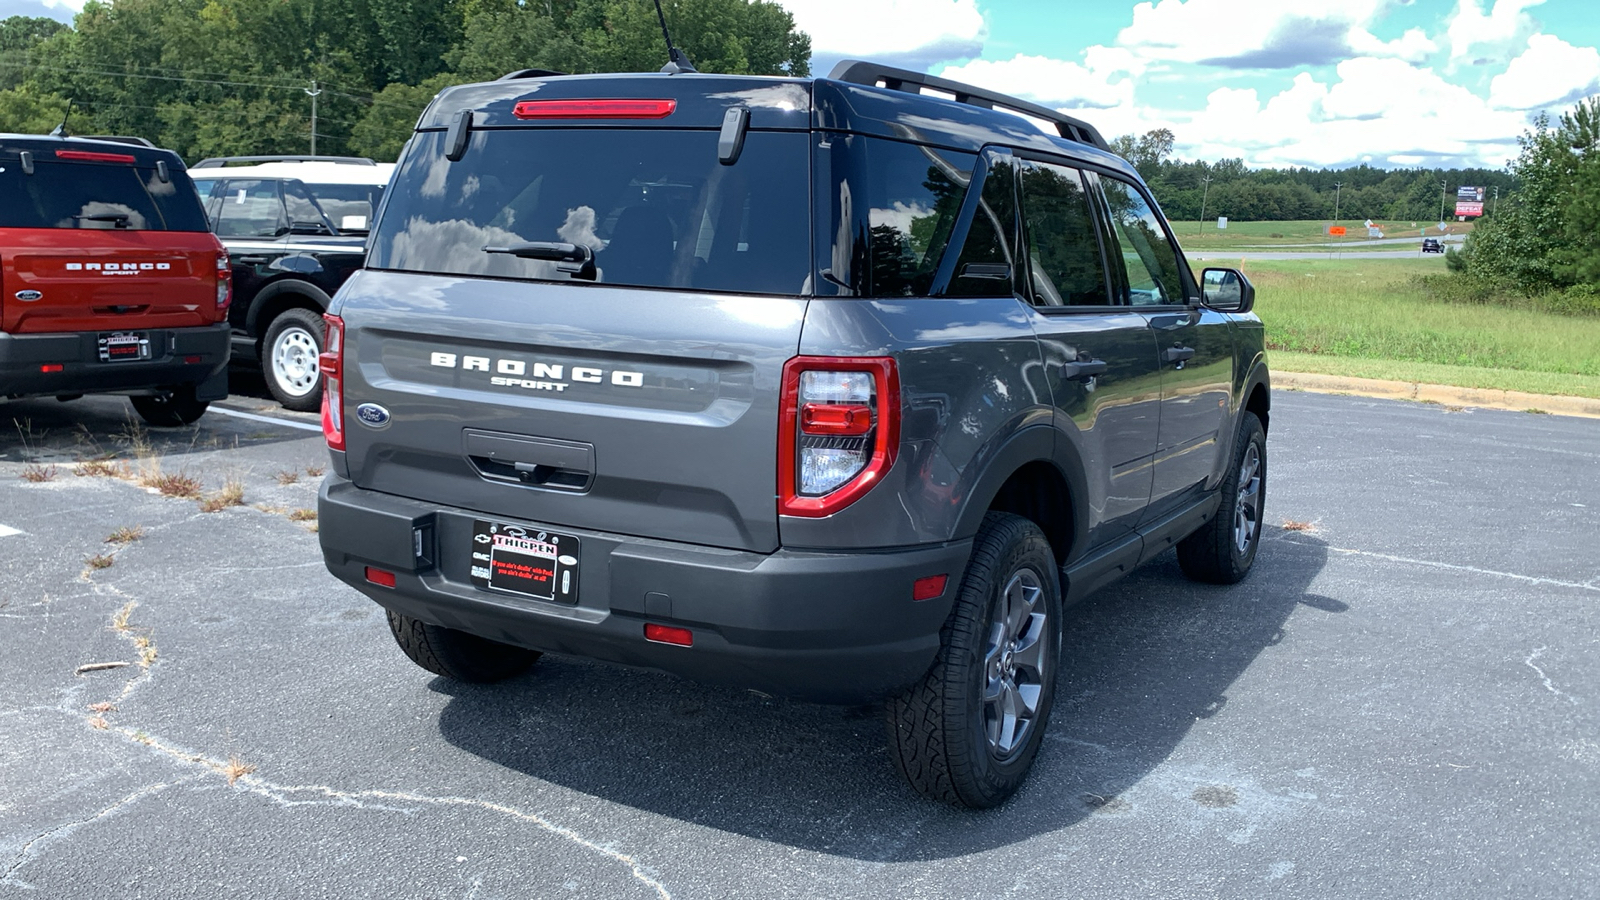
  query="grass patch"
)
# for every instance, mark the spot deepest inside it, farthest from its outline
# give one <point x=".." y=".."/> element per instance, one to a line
<point x="100" y="561"/>
<point x="127" y="534"/>
<point x="232" y="494"/>
<point x="302" y="515"/>
<point x="101" y="468"/>
<point x="119" y="622"/>
<point x="315" y="471"/>
<point x="237" y="769"/>
<point x="288" y="477"/>
<point x="36" y="473"/>
<point x="175" y="484"/>
<point x="1431" y="373"/>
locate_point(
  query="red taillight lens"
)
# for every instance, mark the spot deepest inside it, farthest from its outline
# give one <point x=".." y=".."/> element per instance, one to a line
<point x="380" y="577"/>
<point x="666" y="634"/>
<point x="331" y="364"/>
<point x="594" y="109"/>
<point x="91" y="156"/>
<point x="224" y="280"/>
<point x="839" y="431"/>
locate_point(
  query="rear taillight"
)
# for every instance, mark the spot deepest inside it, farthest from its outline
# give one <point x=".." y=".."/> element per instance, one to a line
<point x="839" y="431"/>
<point x="224" y="280"/>
<point x="331" y="364"/>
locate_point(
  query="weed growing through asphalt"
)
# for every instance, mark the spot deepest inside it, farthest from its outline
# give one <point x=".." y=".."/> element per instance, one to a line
<point x="119" y="622"/>
<point x="127" y="534"/>
<point x="102" y="707"/>
<point x="232" y="494"/>
<point x="272" y="510"/>
<point x="303" y="515"/>
<point x="288" y="477"/>
<point x="100" y="561"/>
<point x="315" y="471"/>
<point x="146" y="646"/>
<point x="99" y="723"/>
<point x="1292" y="525"/>
<point x="36" y="473"/>
<point x="236" y="769"/>
<point x="102" y="467"/>
<point x="176" y="484"/>
<point x="1537" y="411"/>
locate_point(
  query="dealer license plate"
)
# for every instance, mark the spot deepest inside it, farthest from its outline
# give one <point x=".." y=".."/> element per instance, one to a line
<point x="118" y="346"/>
<point x="525" y="561"/>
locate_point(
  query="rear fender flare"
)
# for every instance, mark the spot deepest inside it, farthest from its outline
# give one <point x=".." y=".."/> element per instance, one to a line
<point x="1036" y="443"/>
<point x="299" y="293"/>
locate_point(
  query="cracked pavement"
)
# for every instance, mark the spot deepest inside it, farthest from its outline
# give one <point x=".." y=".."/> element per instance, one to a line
<point x="1399" y="702"/>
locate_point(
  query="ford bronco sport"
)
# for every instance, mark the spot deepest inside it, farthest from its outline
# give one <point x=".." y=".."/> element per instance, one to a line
<point x="110" y="281"/>
<point x="830" y="389"/>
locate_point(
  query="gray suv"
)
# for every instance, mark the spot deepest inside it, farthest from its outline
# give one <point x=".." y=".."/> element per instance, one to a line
<point x="836" y="389"/>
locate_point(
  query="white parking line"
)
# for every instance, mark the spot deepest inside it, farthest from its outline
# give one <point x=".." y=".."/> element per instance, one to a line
<point x="8" y="531"/>
<point x="287" y="423"/>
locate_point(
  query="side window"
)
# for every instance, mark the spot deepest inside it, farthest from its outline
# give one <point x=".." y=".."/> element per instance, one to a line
<point x="251" y="209"/>
<point x="1066" y="265"/>
<point x="304" y="216"/>
<point x="916" y="195"/>
<point x="1145" y="249"/>
<point x="983" y="268"/>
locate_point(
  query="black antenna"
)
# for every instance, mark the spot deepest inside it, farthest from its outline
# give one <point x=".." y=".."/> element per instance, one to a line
<point x="61" y="130"/>
<point x="677" y="60"/>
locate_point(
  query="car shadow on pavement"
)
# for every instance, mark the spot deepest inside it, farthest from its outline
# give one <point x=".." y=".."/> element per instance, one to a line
<point x="1144" y="661"/>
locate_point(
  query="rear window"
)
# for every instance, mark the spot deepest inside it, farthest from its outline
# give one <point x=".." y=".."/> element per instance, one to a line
<point x="657" y="207"/>
<point x="107" y="196"/>
<point x="350" y="206"/>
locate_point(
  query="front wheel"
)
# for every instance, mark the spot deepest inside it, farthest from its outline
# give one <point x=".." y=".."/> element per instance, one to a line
<point x="170" y="410"/>
<point x="1224" y="548"/>
<point x="289" y="357"/>
<point x="968" y="732"/>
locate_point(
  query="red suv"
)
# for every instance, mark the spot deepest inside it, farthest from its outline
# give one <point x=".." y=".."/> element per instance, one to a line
<point x="110" y="278"/>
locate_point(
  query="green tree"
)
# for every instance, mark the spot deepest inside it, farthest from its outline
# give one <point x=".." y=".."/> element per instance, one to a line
<point x="19" y="35"/>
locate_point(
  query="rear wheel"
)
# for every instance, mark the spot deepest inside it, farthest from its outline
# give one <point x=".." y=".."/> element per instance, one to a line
<point x="457" y="654"/>
<point x="968" y="732"/>
<point x="170" y="410"/>
<point x="289" y="359"/>
<point x="1223" y="549"/>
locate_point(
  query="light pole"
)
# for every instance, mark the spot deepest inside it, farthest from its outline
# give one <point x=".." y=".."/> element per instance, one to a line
<point x="1204" y="192"/>
<point x="1336" y="186"/>
<point x="314" y="91"/>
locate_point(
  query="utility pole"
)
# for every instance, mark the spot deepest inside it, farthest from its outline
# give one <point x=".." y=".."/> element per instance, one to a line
<point x="1442" y="188"/>
<point x="313" y="91"/>
<point x="1336" y="186"/>
<point x="1206" y="191"/>
<point x="1496" y="204"/>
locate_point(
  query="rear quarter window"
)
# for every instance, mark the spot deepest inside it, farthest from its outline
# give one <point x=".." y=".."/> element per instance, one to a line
<point x="105" y="196"/>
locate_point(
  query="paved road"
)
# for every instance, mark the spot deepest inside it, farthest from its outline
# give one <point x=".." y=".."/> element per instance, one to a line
<point x="1399" y="702"/>
<point x="1307" y="254"/>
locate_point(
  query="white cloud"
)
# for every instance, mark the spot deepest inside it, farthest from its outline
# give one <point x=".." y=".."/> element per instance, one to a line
<point x="1473" y="32"/>
<point x="1265" y="34"/>
<point x="1551" y="71"/>
<point x="1104" y="81"/>
<point x="896" y="31"/>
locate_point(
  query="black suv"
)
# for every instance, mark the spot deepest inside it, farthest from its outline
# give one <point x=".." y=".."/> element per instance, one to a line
<point x="826" y="388"/>
<point x="296" y="227"/>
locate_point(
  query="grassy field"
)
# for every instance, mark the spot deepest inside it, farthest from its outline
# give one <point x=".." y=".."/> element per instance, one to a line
<point x="1206" y="235"/>
<point x="1364" y="318"/>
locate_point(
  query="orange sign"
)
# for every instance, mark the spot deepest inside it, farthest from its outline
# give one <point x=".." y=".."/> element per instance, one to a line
<point x="1337" y="231"/>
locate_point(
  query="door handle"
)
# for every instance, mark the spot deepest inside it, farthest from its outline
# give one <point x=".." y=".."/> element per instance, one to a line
<point x="1179" y="354"/>
<point x="1080" y="369"/>
<point x="250" y="260"/>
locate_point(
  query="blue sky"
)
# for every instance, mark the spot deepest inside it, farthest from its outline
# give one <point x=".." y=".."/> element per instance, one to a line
<point x="1274" y="82"/>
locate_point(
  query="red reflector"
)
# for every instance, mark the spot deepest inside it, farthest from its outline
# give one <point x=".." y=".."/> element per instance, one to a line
<point x="380" y="577"/>
<point x="92" y="156"/>
<point x="835" y="418"/>
<point x="328" y="363"/>
<point x="51" y="367"/>
<point x="595" y="109"/>
<point x="191" y="360"/>
<point x="929" y="587"/>
<point x="664" y="634"/>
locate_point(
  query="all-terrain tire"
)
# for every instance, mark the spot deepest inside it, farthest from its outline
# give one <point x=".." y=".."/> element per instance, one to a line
<point x="1222" y="550"/>
<point x="170" y="410"/>
<point x="457" y="654"/>
<point x="289" y="354"/>
<point x="940" y="730"/>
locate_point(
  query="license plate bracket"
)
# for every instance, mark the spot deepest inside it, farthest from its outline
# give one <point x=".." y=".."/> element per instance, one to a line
<point x="124" y="346"/>
<point x="527" y="562"/>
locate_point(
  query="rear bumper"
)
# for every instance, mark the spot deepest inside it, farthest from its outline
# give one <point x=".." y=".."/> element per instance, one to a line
<point x="179" y="357"/>
<point x="827" y="627"/>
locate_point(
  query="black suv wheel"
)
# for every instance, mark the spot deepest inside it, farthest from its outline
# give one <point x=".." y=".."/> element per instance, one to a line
<point x="170" y="410"/>
<point x="289" y="357"/>
<point x="968" y="732"/>
<point x="458" y="655"/>
<point x="1223" y="549"/>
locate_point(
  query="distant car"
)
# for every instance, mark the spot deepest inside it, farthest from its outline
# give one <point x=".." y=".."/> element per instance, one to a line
<point x="1432" y="245"/>
<point x="296" y="227"/>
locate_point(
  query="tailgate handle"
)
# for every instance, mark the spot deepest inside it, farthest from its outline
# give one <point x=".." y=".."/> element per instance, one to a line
<point x="533" y="461"/>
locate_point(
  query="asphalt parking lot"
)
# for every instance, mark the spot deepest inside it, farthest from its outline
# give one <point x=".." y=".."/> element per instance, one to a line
<point x="1400" y="701"/>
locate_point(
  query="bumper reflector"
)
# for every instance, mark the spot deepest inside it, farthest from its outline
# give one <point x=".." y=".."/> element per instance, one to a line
<point x="665" y="634"/>
<point x="929" y="587"/>
<point x="52" y="367"/>
<point x="380" y="577"/>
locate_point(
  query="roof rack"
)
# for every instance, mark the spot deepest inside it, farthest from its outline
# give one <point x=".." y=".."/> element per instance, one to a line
<point x="530" y="73"/>
<point x="117" y="138"/>
<point x="855" y="71"/>
<point x="217" y="162"/>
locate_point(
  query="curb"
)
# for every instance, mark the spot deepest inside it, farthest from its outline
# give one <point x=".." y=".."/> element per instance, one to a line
<point x="1483" y="398"/>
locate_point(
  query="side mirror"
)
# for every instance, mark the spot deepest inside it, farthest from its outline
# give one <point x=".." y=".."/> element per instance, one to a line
<point x="1227" y="290"/>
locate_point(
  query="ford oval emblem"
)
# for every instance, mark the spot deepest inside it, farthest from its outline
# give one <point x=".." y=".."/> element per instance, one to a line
<point x="29" y="296"/>
<point x="372" y="414"/>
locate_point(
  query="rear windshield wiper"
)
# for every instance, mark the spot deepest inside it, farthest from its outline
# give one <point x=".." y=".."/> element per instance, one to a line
<point x="119" y="220"/>
<point x="573" y="259"/>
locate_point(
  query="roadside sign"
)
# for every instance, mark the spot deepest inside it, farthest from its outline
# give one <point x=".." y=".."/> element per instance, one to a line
<point x="1469" y="200"/>
<point x="1222" y="223"/>
<point x="1337" y="230"/>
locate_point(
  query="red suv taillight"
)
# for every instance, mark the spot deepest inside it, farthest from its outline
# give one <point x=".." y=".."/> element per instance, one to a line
<point x="331" y="364"/>
<point x="224" y="280"/>
<point x="839" y="431"/>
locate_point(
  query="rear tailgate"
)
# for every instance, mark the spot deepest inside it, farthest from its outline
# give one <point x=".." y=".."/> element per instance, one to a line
<point x="626" y="414"/>
<point x="87" y="280"/>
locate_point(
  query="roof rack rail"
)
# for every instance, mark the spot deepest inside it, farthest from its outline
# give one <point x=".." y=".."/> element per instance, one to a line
<point x="531" y="73"/>
<point x="217" y="162"/>
<point x="118" y="139"/>
<point x="855" y="71"/>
